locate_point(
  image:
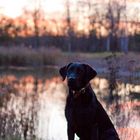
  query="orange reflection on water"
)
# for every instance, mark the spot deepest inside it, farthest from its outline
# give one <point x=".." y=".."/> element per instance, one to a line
<point x="48" y="102"/>
<point x="129" y="133"/>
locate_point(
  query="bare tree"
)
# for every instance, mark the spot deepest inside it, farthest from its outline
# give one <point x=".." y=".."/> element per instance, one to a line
<point x="69" y="28"/>
<point x="37" y="16"/>
<point x="116" y="13"/>
<point x="113" y="13"/>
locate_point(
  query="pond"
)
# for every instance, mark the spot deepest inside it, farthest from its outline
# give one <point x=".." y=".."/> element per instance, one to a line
<point x="32" y="105"/>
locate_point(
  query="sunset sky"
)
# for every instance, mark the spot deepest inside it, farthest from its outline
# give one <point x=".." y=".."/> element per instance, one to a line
<point x="14" y="8"/>
<point x="55" y="12"/>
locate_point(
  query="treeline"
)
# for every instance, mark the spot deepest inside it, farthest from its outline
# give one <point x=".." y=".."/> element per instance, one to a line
<point x="78" y="43"/>
<point x="107" y="30"/>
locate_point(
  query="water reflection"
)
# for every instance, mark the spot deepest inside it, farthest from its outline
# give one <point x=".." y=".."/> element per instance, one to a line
<point x="33" y="108"/>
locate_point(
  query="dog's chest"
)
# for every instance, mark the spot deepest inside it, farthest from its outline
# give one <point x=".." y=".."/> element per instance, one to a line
<point x="81" y="113"/>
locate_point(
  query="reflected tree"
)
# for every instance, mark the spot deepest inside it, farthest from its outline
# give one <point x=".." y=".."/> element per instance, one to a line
<point x="113" y="69"/>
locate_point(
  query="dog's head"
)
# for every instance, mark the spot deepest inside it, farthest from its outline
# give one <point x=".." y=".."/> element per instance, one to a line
<point x="78" y="75"/>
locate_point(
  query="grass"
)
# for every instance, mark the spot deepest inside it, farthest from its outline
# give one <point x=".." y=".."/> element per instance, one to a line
<point x="21" y="56"/>
<point x="37" y="58"/>
<point x="88" y="55"/>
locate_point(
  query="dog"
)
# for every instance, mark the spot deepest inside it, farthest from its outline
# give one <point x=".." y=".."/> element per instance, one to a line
<point x="84" y="114"/>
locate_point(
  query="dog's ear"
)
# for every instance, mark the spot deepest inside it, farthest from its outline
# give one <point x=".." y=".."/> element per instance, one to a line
<point x="90" y="73"/>
<point x="63" y="71"/>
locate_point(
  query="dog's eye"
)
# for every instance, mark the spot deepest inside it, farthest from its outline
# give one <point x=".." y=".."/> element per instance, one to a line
<point x="70" y="70"/>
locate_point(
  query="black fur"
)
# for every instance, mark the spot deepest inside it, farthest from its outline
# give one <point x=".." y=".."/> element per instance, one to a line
<point x="85" y="115"/>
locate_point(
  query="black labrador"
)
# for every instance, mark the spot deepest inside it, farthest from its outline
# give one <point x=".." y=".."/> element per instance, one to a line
<point x="85" y="115"/>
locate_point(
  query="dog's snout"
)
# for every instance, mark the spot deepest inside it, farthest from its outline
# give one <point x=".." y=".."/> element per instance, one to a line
<point x="71" y="80"/>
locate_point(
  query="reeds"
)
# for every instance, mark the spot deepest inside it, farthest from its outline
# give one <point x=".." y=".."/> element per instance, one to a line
<point x="22" y="56"/>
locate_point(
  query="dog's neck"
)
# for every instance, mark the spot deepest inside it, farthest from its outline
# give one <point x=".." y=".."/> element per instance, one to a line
<point x="77" y="93"/>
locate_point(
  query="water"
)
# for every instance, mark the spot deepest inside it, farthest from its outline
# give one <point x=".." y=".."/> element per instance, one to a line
<point x="32" y="107"/>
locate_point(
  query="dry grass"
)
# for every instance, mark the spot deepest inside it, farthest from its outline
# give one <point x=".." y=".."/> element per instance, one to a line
<point x="19" y="56"/>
